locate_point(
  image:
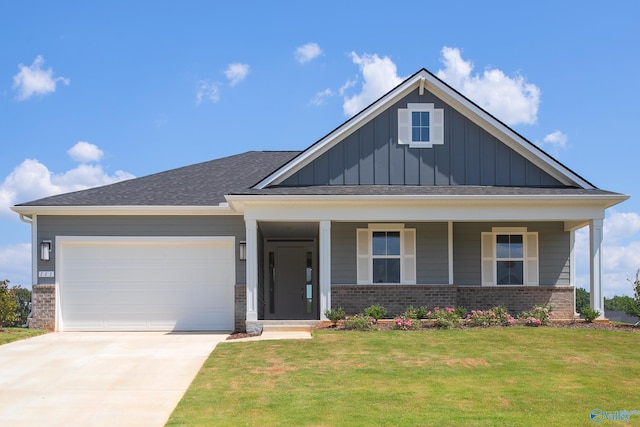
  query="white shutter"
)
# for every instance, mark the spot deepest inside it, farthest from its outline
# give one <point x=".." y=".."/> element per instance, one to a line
<point x="531" y="259"/>
<point x="437" y="126"/>
<point x="488" y="260"/>
<point x="404" y="126"/>
<point x="363" y="238"/>
<point x="409" y="257"/>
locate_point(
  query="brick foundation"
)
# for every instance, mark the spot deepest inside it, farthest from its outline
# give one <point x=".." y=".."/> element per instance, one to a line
<point x="396" y="298"/>
<point x="43" y="303"/>
<point x="240" y="307"/>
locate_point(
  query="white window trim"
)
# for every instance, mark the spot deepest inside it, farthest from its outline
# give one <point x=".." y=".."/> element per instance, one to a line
<point x="530" y="266"/>
<point x="365" y="257"/>
<point x="436" y="125"/>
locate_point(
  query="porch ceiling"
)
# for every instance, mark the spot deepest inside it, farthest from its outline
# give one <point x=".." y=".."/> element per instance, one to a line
<point x="288" y="230"/>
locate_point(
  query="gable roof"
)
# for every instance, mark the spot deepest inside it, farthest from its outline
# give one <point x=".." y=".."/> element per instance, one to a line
<point x="421" y="80"/>
<point x="202" y="184"/>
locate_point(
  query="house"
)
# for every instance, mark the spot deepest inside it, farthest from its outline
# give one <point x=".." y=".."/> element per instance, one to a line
<point x="423" y="198"/>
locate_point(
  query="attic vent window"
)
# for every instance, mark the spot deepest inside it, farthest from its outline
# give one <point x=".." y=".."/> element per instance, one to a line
<point x="420" y="125"/>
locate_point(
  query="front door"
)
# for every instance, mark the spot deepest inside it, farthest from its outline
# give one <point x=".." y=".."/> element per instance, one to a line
<point x="291" y="287"/>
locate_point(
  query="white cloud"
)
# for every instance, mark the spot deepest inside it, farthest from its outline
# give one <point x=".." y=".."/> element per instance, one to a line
<point x="555" y="142"/>
<point x="32" y="180"/>
<point x="207" y="92"/>
<point x="236" y="73"/>
<point x="620" y="253"/>
<point x="307" y="52"/>
<point x="15" y="264"/>
<point x="510" y="99"/>
<point x="85" y="152"/>
<point x="34" y="80"/>
<point x="380" y="75"/>
<point x="321" y="97"/>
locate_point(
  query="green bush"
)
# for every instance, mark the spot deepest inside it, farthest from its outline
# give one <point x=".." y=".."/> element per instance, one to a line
<point x="539" y="315"/>
<point x="376" y="311"/>
<point x="495" y="316"/>
<point x="445" y="318"/>
<point x="590" y="314"/>
<point x="416" y="313"/>
<point x="360" y="322"/>
<point x="8" y="304"/>
<point x="335" y="315"/>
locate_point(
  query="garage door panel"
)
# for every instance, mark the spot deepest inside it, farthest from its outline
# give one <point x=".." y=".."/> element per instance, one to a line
<point x="147" y="285"/>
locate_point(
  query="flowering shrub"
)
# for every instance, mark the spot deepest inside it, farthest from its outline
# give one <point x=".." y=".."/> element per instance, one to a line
<point x="408" y="320"/>
<point x="359" y="322"/>
<point x="495" y="316"/>
<point x="539" y="315"/>
<point x="446" y="318"/>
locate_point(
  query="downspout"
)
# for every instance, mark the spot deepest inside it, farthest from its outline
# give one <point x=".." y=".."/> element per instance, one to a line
<point x="25" y="219"/>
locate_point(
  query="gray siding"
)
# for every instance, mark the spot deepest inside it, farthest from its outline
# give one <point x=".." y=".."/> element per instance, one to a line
<point x="469" y="156"/>
<point x="51" y="226"/>
<point x="431" y="252"/>
<point x="553" y="251"/>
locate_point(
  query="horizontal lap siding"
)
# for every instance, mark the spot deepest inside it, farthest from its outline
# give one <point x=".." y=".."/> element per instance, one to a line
<point x="431" y="249"/>
<point x="553" y="251"/>
<point x="145" y="226"/>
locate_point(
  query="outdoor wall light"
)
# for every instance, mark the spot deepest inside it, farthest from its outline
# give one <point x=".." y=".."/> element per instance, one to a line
<point x="243" y="250"/>
<point x="45" y="250"/>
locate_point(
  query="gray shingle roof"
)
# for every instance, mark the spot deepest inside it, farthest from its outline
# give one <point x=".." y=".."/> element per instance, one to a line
<point x="202" y="184"/>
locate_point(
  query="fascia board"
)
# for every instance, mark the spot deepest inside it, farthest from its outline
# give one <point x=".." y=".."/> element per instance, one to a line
<point x="123" y="210"/>
<point x="343" y="131"/>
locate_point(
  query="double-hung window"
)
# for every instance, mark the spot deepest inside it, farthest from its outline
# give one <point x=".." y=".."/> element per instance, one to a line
<point x="509" y="257"/>
<point x="386" y="254"/>
<point x="420" y="125"/>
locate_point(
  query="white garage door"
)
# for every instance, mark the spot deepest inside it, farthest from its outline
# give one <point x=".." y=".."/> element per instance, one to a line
<point x="116" y="284"/>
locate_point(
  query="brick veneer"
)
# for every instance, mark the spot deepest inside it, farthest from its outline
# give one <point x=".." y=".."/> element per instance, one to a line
<point x="396" y="298"/>
<point x="240" y="307"/>
<point x="43" y="303"/>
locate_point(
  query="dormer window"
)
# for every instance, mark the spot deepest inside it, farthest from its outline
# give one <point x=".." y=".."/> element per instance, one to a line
<point x="420" y="125"/>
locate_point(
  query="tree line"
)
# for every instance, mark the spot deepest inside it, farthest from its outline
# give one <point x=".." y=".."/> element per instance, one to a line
<point x="15" y="305"/>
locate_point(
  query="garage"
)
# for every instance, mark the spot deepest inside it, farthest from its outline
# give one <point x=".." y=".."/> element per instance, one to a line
<point x="153" y="283"/>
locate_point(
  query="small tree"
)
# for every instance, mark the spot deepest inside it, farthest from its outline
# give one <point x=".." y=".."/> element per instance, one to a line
<point x="582" y="300"/>
<point x="8" y="304"/>
<point x="633" y="308"/>
<point x="23" y="299"/>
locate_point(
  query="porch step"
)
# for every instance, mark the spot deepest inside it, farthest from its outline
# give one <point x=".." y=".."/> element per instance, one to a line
<point x="283" y="327"/>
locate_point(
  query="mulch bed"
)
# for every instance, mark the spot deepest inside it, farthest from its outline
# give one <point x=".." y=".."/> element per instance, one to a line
<point x="389" y="324"/>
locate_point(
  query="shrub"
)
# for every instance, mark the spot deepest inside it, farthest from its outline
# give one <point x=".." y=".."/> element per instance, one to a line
<point x="8" y="304"/>
<point x="495" y="316"/>
<point x="445" y="318"/>
<point x="335" y="315"/>
<point x="406" y="323"/>
<point x="590" y="314"/>
<point x="376" y="311"/>
<point x="360" y="322"/>
<point x="416" y="313"/>
<point x="539" y="315"/>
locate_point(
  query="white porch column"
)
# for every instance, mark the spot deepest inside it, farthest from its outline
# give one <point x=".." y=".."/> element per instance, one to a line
<point x="324" y="271"/>
<point x="252" y="269"/>
<point x="450" y="251"/>
<point x="595" y="264"/>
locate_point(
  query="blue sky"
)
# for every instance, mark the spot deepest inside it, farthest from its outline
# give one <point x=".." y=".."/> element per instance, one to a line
<point x="95" y="92"/>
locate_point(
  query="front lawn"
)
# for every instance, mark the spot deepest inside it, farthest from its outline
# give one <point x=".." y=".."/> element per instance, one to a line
<point x="8" y="335"/>
<point x="498" y="376"/>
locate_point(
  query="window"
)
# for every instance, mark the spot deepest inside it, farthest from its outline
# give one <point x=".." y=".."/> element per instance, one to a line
<point x="420" y="125"/>
<point x="386" y="254"/>
<point x="509" y="257"/>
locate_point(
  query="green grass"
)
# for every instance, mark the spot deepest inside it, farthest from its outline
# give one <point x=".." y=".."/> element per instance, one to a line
<point x="510" y="376"/>
<point x="8" y="335"/>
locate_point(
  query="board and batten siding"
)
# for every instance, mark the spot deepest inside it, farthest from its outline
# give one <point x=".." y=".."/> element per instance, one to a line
<point x="469" y="156"/>
<point x="50" y="226"/>
<point x="431" y="252"/>
<point x="553" y="251"/>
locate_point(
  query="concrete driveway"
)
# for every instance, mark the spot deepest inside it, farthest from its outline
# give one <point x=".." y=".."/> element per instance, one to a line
<point x="99" y="379"/>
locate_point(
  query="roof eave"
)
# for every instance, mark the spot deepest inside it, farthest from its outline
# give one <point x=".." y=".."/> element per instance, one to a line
<point x="29" y="211"/>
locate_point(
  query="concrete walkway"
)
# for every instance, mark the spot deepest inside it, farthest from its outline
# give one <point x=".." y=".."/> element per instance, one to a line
<point x="99" y="379"/>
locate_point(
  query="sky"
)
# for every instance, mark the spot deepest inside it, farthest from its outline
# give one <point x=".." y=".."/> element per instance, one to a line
<point x="96" y="92"/>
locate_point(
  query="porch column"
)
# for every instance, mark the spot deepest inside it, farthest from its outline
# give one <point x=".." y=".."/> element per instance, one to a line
<point x="595" y="265"/>
<point x="324" y="272"/>
<point x="252" y="269"/>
